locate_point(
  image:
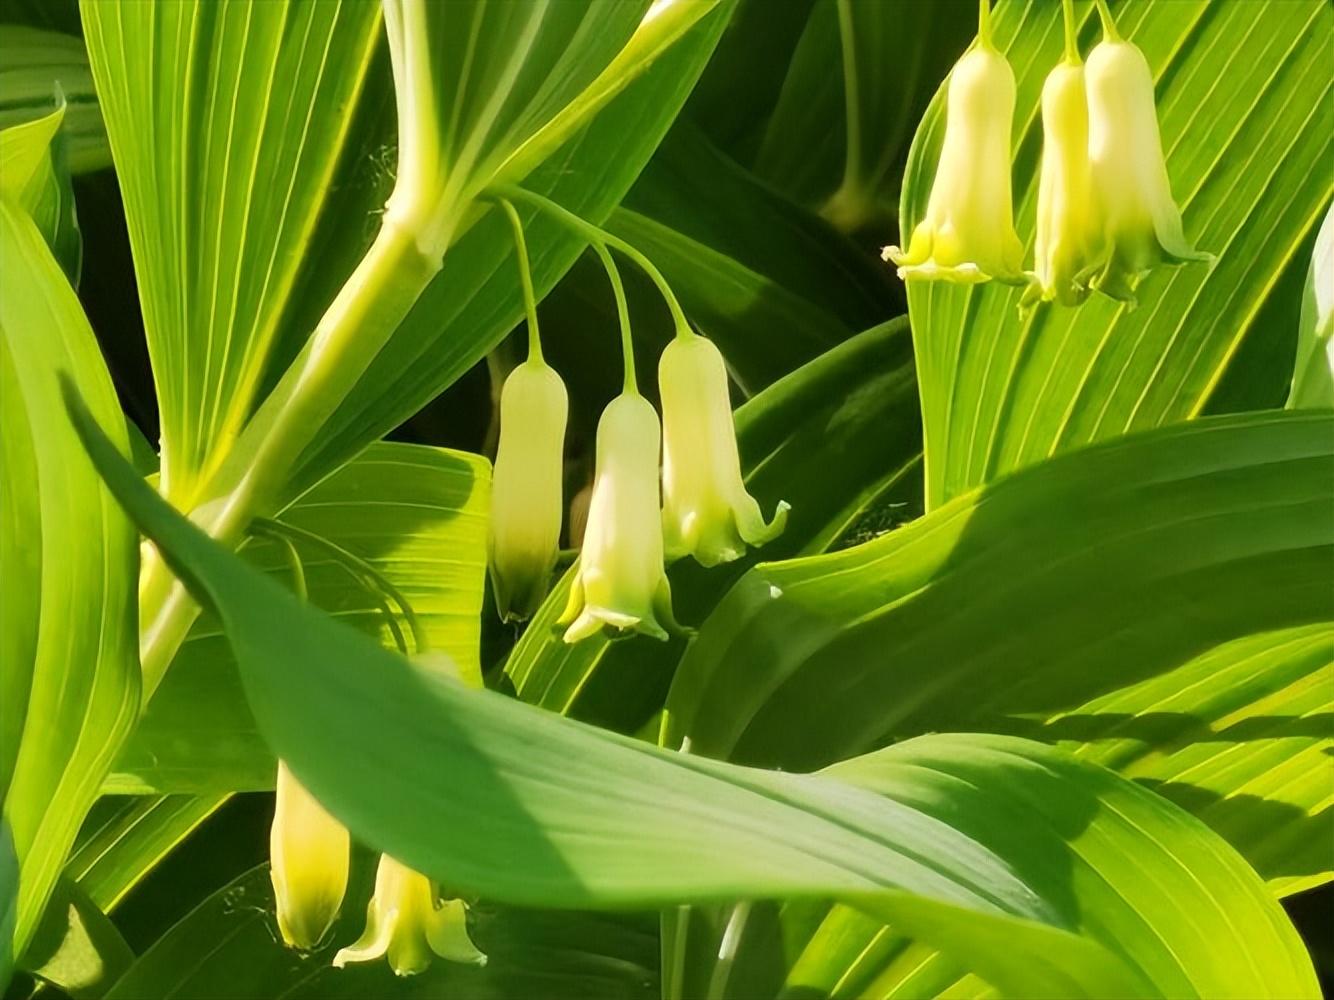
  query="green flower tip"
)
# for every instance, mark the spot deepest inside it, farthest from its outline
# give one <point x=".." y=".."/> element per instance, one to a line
<point x="407" y="922"/>
<point x="707" y="512"/>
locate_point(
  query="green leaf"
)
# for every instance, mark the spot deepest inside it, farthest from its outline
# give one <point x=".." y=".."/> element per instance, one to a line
<point x="1248" y="134"/>
<point x="123" y="840"/>
<point x="33" y="174"/>
<point x="229" y="946"/>
<point x="494" y="797"/>
<point x="225" y="122"/>
<point x="414" y="513"/>
<point x="69" y="674"/>
<point x="838" y="439"/>
<point x="1099" y="582"/>
<point x="76" y="948"/>
<point x="35" y="66"/>
<point x="837" y="141"/>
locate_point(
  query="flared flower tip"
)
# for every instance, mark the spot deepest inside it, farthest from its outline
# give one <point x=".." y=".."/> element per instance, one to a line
<point x="404" y="923"/>
<point x="1069" y="232"/>
<point x="1141" y="220"/>
<point x="706" y="511"/>
<point x="526" y="504"/>
<point x="620" y="584"/>
<point x="308" y="851"/>
<point x="967" y="234"/>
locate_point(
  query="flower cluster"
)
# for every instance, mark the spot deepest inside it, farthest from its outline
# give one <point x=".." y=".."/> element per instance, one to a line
<point x="638" y="518"/>
<point x="1105" y="214"/>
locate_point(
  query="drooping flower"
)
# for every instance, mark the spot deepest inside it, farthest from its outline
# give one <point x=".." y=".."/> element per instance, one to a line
<point x="1141" y="221"/>
<point x="620" y="583"/>
<point x="526" y="488"/>
<point x="308" y="851"/>
<point x="1069" y="230"/>
<point x="406" y="921"/>
<point x="967" y="234"/>
<point x="706" y="511"/>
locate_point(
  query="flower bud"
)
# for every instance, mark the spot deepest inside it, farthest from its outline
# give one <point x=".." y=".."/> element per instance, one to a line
<point x="1141" y="222"/>
<point x="1069" y="233"/>
<point x="308" y="852"/>
<point x="706" y="512"/>
<point x="620" y="583"/>
<point x="404" y="922"/>
<point x="526" y="488"/>
<point x="968" y="232"/>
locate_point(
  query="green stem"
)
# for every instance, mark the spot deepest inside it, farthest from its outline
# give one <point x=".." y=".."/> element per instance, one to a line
<point x="294" y="564"/>
<point x="596" y="235"/>
<point x="525" y="280"/>
<point x="1071" y="32"/>
<point x="853" y="152"/>
<point x="362" y="571"/>
<point x="1108" y="22"/>
<point x="623" y="315"/>
<point x="984" y="23"/>
<point x="369" y="307"/>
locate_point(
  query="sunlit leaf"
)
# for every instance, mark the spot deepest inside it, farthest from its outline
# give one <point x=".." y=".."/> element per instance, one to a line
<point x="922" y="833"/>
<point x="69" y="676"/>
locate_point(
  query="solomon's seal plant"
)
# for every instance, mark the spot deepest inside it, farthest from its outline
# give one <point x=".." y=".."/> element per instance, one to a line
<point x="1034" y="664"/>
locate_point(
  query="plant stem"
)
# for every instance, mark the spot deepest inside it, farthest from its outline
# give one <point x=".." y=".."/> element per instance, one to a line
<point x="1071" y="32"/>
<point x="596" y="235"/>
<point x="623" y="315"/>
<point x="525" y="279"/>
<point x="1108" y="22"/>
<point x="853" y="150"/>
<point x="361" y="318"/>
<point x="984" y="23"/>
<point x="358" y="568"/>
<point x="727" y="948"/>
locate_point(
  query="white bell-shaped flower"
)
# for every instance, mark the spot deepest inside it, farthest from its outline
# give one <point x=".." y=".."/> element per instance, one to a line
<point x="620" y="583"/>
<point x="308" y="852"/>
<point x="706" y="511"/>
<point x="526" y="503"/>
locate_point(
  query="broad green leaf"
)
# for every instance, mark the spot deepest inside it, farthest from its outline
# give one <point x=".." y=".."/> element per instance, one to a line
<point x="861" y="77"/>
<point x="123" y="839"/>
<point x="515" y="804"/>
<point x="225" y="123"/>
<point x="417" y="515"/>
<point x="37" y="64"/>
<point x="1248" y="133"/>
<point x="76" y="948"/>
<point x="229" y="946"/>
<point x="34" y="175"/>
<point x="1240" y="736"/>
<point x="1108" y="577"/>
<point x="69" y="675"/>
<point x="838" y="439"/>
